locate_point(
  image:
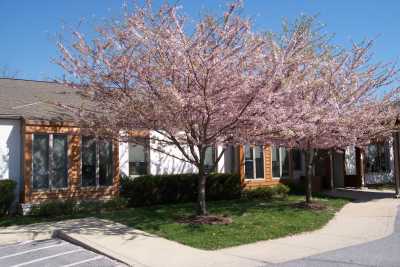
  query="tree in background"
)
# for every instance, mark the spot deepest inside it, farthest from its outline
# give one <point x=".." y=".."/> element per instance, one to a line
<point x="331" y="99"/>
<point x="6" y="72"/>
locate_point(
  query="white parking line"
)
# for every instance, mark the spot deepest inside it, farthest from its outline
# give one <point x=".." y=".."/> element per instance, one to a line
<point x="84" y="261"/>
<point x="17" y="244"/>
<point x="31" y="250"/>
<point x="48" y="257"/>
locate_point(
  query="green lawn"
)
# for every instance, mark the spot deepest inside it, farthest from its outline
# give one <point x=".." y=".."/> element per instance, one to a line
<point x="252" y="221"/>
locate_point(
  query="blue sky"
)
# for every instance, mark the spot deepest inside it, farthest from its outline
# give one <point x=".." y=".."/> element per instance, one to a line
<point x="28" y="29"/>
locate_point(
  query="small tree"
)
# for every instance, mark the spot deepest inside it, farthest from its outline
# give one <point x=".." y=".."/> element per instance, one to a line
<point x="328" y="99"/>
<point x="194" y="88"/>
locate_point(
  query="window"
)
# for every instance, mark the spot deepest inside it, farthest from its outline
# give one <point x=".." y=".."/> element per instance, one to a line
<point x="280" y="162"/>
<point x="378" y="157"/>
<point x="253" y="162"/>
<point x="105" y="163"/>
<point x="137" y="160"/>
<point x="297" y="161"/>
<point x="49" y="161"/>
<point x="97" y="162"/>
<point x="210" y="159"/>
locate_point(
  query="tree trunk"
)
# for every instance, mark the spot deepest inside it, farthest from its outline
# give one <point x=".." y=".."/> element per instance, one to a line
<point x="309" y="155"/>
<point x="201" y="194"/>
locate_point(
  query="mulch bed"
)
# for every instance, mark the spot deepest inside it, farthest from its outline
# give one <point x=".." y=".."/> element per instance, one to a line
<point x="311" y="206"/>
<point x="205" y="219"/>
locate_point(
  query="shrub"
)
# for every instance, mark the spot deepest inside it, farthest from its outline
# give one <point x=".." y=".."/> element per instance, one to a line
<point x="160" y="189"/>
<point x="282" y="191"/>
<point x="89" y="206"/>
<point x="296" y="187"/>
<point x="117" y="203"/>
<point x="7" y="195"/>
<point x="54" y="208"/>
<point x="269" y="192"/>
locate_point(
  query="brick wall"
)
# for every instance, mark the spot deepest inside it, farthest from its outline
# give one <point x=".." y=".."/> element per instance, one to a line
<point x="74" y="190"/>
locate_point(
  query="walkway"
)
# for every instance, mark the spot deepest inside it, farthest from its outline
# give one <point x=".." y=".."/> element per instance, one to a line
<point x="384" y="252"/>
<point x="360" y="222"/>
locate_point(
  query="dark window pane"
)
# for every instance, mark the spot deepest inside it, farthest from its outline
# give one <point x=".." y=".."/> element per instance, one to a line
<point x="259" y="157"/>
<point x="285" y="162"/>
<point x="137" y="160"/>
<point x="40" y="161"/>
<point x="248" y="162"/>
<point x="209" y="159"/>
<point x="276" y="169"/>
<point x="297" y="159"/>
<point x="88" y="161"/>
<point x="60" y="161"/>
<point x="378" y="157"/>
<point x="105" y="163"/>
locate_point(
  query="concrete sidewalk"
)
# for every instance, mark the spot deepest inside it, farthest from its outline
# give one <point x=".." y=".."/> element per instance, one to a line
<point x="357" y="223"/>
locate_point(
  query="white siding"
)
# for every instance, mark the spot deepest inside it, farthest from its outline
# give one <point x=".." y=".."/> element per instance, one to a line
<point x="10" y="151"/>
<point x="350" y="161"/>
<point x="124" y="158"/>
<point x="161" y="163"/>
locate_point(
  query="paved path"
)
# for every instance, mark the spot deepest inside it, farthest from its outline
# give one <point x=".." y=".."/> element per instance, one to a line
<point x="359" y="223"/>
<point x="384" y="252"/>
<point x="356" y="223"/>
<point x="51" y="252"/>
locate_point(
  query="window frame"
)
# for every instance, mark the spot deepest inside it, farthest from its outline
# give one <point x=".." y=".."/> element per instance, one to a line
<point x="97" y="178"/>
<point x="50" y="162"/>
<point x="254" y="163"/>
<point x="213" y="160"/>
<point x="146" y="148"/>
<point x="281" y="163"/>
<point x="386" y="148"/>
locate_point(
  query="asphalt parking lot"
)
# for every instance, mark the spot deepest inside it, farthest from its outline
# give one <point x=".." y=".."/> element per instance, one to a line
<point x="51" y="252"/>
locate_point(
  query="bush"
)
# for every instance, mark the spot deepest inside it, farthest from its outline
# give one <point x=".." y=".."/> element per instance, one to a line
<point x="58" y="208"/>
<point x="177" y="188"/>
<point x="282" y="191"/>
<point x="276" y="191"/>
<point x="54" y="208"/>
<point x="117" y="203"/>
<point x="296" y="187"/>
<point x="7" y="195"/>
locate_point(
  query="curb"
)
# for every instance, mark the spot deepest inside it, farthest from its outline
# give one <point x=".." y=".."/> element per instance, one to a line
<point x="63" y="236"/>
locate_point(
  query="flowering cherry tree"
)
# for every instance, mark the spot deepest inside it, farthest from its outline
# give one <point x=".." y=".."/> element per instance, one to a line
<point x="219" y="82"/>
<point x="193" y="86"/>
<point x="327" y="98"/>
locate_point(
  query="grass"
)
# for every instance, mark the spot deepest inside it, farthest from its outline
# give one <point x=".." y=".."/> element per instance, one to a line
<point x="252" y="221"/>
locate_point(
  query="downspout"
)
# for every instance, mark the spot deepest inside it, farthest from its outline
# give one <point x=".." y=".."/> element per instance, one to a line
<point x="332" y="184"/>
<point x="396" y="152"/>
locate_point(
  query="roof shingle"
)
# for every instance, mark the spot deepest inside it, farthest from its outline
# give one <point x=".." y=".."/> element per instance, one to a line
<point x="35" y="99"/>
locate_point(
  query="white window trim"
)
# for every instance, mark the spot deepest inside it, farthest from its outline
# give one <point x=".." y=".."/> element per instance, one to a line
<point x="280" y="163"/>
<point x="51" y="162"/>
<point x="254" y="165"/>
<point x="146" y="160"/>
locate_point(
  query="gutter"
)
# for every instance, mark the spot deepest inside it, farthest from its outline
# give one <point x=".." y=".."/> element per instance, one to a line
<point x="11" y="116"/>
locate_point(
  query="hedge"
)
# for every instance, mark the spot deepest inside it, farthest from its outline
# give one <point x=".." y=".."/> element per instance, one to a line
<point x="177" y="188"/>
<point x="276" y="191"/>
<point x="7" y="195"/>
